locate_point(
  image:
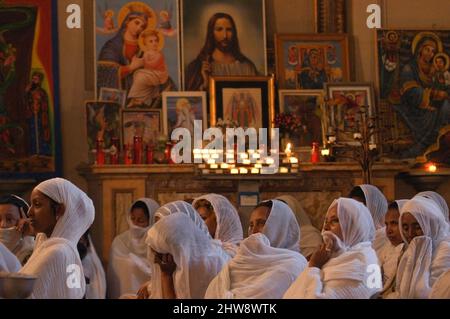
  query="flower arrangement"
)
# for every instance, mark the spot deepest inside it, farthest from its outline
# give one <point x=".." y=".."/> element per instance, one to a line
<point x="288" y="122"/>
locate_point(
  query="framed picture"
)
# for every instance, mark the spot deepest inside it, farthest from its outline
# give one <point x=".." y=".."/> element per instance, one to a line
<point x="30" y="129"/>
<point x="308" y="105"/>
<point x="113" y="95"/>
<point x="246" y="40"/>
<point x="155" y="40"/>
<point x="413" y="77"/>
<point x="330" y="16"/>
<point x="308" y="61"/>
<point x="103" y="122"/>
<point x="181" y="109"/>
<point x="347" y="101"/>
<point x="248" y="101"/>
<point x="145" y="123"/>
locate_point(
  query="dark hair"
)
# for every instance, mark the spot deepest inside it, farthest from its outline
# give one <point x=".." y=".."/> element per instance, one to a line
<point x="53" y="204"/>
<point x="357" y="192"/>
<point x="204" y="203"/>
<point x="17" y="201"/>
<point x="393" y="205"/>
<point x="210" y="42"/>
<point x="143" y="206"/>
<point x="267" y="203"/>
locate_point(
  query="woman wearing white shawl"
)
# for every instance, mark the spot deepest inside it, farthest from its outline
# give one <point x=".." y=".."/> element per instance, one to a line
<point x="311" y="238"/>
<point x="263" y="268"/>
<point x="222" y="220"/>
<point x="342" y="268"/>
<point x="60" y="213"/>
<point x="389" y="255"/>
<point x="8" y="262"/>
<point x="186" y="259"/>
<point x="377" y="204"/>
<point x="92" y="268"/>
<point x="128" y="266"/>
<point x="439" y="200"/>
<point x="13" y="213"/>
<point x="441" y="288"/>
<point x="427" y="255"/>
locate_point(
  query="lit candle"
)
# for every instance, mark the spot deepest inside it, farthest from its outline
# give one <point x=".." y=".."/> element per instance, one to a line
<point x="332" y="139"/>
<point x="251" y="152"/>
<point x="294" y="160"/>
<point x="256" y="156"/>
<point x="255" y="171"/>
<point x="205" y="171"/>
<point x="224" y="166"/>
<point x="431" y="167"/>
<point x="288" y="150"/>
<point x="325" y="152"/>
<point x="372" y="146"/>
<point x="197" y="151"/>
<point x="284" y="170"/>
<point x="246" y="162"/>
<point x="258" y="166"/>
<point x="243" y="170"/>
<point x="231" y="161"/>
<point x="357" y="136"/>
<point x="244" y="155"/>
<point x="211" y="161"/>
<point x="234" y="171"/>
<point x="215" y="156"/>
<point x="198" y="156"/>
<point x="214" y="166"/>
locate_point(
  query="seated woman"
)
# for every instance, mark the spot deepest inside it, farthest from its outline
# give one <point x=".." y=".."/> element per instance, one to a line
<point x="92" y="268"/>
<point x="427" y="254"/>
<point x="60" y="214"/>
<point x="222" y="220"/>
<point x="128" y="265"/>
<point x="13" y="212"/>
<point x="341" y="268"/>
<point x="185" y="258"/>
<point x="311" y="238"/>
<point x="377" y="204"/>
<point x="439" y="200"/>
<point x="264" y="266"/>
<point x="8" y="262"/>
<point x="389" y="255"/>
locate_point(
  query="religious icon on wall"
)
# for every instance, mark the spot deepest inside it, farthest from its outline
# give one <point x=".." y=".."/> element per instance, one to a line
<point x="414" y="86"/>
<point x="144" y="123"/>
<point x="137" y="49"/>
<point x="103" y="123"/>
<point x="29" y="110"/>
<point x="308" y="61"/>
<point x="222" y="38"/>
<point x="113" y="95"/>
<point x="181" y="109"/>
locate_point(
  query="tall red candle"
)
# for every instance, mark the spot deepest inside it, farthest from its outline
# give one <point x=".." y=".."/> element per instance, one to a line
<point x="315" y="153"/>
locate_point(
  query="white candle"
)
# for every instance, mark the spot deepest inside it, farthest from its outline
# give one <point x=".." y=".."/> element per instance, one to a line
<point x="255" y="171"/>
<point x="211" y="161"/>
<point x="357" y="136"/>
<point x="372" y="146"/>
<point x="332" y="139"/>
<point x="270" y="161"/>
<point x="293" y="160"/>
<point x="246" y="162"/>
<point x="258" y="166"/>
<point x="214" y="166"/>
<point x="215" y="156"/>
<point x="234" y="171"/>
<point x="284" y="170"/>
<point x="251" y="152"/>
<point x="198" y="156"/>
<point x="256" y="156"/>
<point x="243" y="155"/>
<point x="325" y="152"/>
<point x="243" y="170"/>
<point x="224" y="166"/>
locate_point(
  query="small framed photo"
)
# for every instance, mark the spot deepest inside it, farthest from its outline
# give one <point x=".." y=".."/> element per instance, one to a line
<point x="308" y="106"/>
<point x="113" y="95"/>
<point x="102" y="122"/>
<point x="145" y="123"/>
<point x="247" y="101"/>
<point x="181" y="109"/>
<point x="308" y="61"/>
<point x="347" y="100"/>
<point x="248" y="199"/>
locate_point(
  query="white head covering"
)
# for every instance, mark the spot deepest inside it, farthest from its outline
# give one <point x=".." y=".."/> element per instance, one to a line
<point x="197" y="257"/>
<point x="401" y="203"/>
<point x="229" y="227"/>
<point x="377" y="204"/>
<point x="8" y="262"/>
<point x="257" y="271"/>
<point x="441" y="288"/>
<point x="427" y="257"/>
<point x="355" y="221"/>
<point x="52" y="257"/>
<point x="348" y="266"/>
<point x="282" y="228"/>
<point x="439" y="200"/>
<point x="184" y="208"/>
<point x="128" y="266"/>
<point x="138" y="234"/>
<point x="311" y="238"/>
<point x="93" y="269"/>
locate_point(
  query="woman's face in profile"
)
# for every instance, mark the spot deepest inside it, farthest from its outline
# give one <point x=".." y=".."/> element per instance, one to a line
<point x="410" y="227"/>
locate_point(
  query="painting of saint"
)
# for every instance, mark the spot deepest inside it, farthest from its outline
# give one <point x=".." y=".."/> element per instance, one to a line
<point x="412" y="72"/>
<point x="144" y="123"/>
<point x="243" y="106"/>
<point x="141" y="56"/>
<point x="231" y="31"/>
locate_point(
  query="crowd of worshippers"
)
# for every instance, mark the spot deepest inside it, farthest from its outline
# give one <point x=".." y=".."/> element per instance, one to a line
<point x="366" y="248"/>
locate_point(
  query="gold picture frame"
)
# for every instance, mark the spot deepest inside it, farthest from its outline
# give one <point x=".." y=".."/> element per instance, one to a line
<point x="258" y="91"/>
